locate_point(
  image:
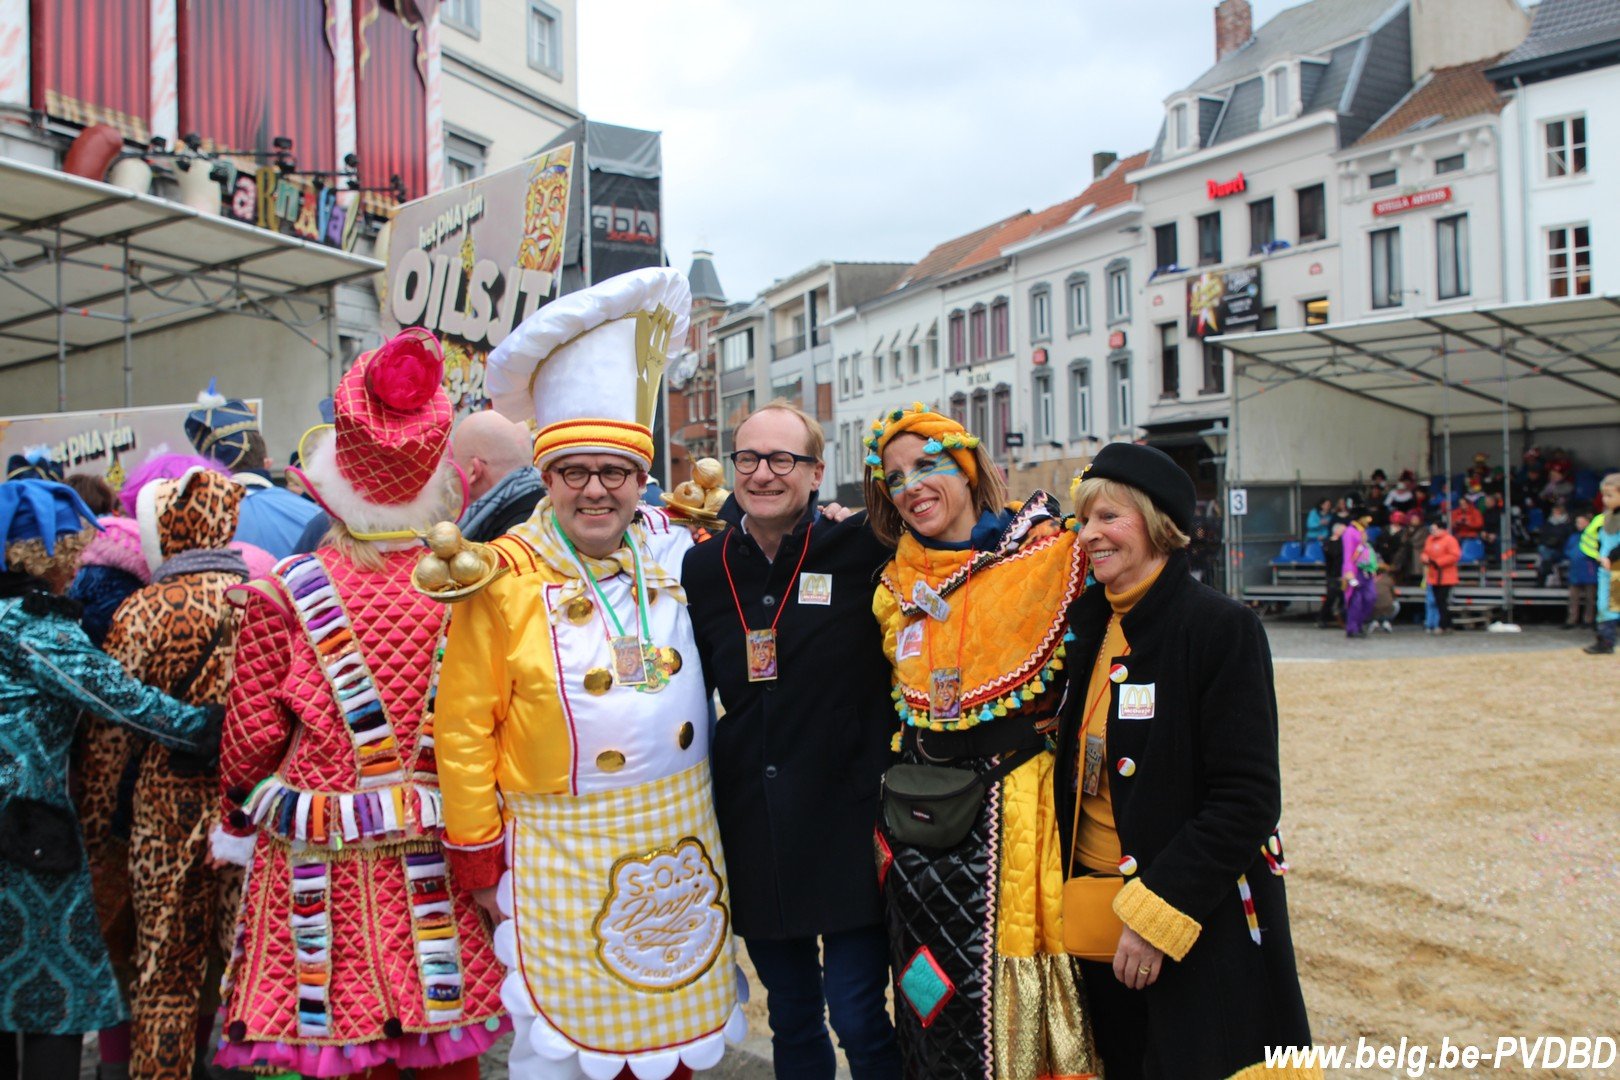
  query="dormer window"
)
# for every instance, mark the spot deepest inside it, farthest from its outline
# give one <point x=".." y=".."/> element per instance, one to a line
<point x="1180" y="126"/>
<point x="1280" y="93"/>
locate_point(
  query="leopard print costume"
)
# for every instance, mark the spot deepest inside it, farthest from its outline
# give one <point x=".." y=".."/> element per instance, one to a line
<point x="162" y="635"/>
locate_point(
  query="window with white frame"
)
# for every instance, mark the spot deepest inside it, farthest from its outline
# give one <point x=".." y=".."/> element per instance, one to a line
<point x="1119" y="292"/>
<point x="897" y="368"/>
<point x="1278" y="92"/>
<point x="933" y="347"/>
<point x="1045" y="422"/>
<point x="1000" y="327"/>
<point x="1450" y="164"/>
<point x="1170" y="359"/>
<point x="914" y="355"/>
<point x="1451" y="256"/>
<point x="736" y="350"/>
<point x="1078" y="288"/>
<point x="1119" y="376"/>
<point x="877" y="367"/>
<point x="1565" y="147"/>
<point x="465" y="157"/>
<point x="1080" y="426"/>
<point x="545" y="38"/>
<point x="1384" y="179"/>
<point x="858" y="373"/>
<point x="981" y="414"/>
<point x="843" y="377"/>
<point x="1180" y="126"/>
<point x="1040" y="313"/>
<point x="1569" y="261"/>
<point x="958" y="339"/>
<point x="1386" y="267"/>
<point x="959" y="410"/>
<point x="462" y="14"/>
<point x="978" y="334"/>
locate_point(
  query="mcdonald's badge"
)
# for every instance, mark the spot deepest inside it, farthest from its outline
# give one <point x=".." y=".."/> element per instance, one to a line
<point x="1136" y="701"/>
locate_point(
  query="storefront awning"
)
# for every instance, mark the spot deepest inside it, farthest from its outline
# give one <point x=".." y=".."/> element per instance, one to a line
<point x="113" y="264"/>
<point x="1550" y="364"/>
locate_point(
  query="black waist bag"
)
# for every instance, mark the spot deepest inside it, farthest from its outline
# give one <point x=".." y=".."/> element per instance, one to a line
<point x="41" y="837"/>
<point x="934" y="806"/>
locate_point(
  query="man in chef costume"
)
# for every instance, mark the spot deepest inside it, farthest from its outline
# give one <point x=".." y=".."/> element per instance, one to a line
<point x="572" y="723"/>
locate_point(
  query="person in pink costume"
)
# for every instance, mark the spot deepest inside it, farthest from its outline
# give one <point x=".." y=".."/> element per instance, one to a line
<point x="356" y="947"/>
<point x="1359" y="575"/>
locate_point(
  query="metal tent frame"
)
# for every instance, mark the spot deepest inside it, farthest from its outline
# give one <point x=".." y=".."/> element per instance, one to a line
<point x="84" y="265"/>
<point x="1548" y="364"/>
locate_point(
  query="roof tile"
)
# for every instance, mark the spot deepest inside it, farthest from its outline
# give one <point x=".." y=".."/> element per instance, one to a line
<point x="1448" y="93"/>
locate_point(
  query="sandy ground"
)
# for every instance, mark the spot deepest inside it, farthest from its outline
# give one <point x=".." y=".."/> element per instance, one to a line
<point x="1453" y="825"/>
<point x="1453" y="821"/>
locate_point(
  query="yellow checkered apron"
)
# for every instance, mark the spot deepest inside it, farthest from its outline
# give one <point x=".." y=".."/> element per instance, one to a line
<point x="623" y="919"/>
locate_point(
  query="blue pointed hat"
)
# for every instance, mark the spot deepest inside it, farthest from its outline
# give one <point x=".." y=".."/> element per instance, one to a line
<point x="36" y="463"/>
<point x="219" y="427"/>
<point x="41" y="510"/>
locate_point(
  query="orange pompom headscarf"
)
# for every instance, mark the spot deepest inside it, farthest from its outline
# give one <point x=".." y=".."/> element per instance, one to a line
<point x="941" y="432"/>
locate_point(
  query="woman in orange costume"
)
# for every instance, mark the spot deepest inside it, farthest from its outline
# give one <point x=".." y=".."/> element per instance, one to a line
<point x="972" y="607"/>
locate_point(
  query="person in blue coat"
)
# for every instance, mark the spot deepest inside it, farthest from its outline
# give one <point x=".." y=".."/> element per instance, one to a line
<point x="1582" y="578"/>
<point x="56" y="981"/>
<point x="226" y="431"/>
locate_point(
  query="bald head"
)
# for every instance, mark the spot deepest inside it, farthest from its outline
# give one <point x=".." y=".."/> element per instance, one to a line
<point x="488" y="446"/>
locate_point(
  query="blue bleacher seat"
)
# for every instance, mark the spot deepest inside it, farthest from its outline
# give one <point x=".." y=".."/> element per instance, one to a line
<point x="1313" y="552"/>
<point x="1586" y="485"/>
<point x="1473" y="550"/>
<point x="1289" y="554"/>
<point x="1535" y="518"/>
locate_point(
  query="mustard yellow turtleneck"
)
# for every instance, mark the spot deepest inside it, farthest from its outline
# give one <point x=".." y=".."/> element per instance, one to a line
<point x="1097" y="844"/>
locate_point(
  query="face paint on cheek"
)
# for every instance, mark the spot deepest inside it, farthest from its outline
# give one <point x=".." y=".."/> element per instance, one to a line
<point x="912" y="479"/>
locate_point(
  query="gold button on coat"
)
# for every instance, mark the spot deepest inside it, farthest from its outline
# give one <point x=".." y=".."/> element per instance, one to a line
<point x="598" y="680"/>
<point x="686" y="735"/>
<point x="610" y="761"/>
<point x="670" y="658"/>
<point x="579" y="610"/>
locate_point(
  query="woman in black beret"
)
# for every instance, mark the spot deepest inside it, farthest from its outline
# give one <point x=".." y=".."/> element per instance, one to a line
<point x="1169" y="796"/>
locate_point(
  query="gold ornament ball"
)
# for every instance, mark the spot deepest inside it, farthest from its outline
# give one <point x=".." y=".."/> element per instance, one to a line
<point x="432" y="573"/>
<point x="708" y="472"/>
<point x="445" y="539"/>
<point x="467" y="567"/>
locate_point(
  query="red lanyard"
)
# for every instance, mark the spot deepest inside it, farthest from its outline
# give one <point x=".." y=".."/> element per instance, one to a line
<point x="792" y="582"/>
<point x="967" y="592"/>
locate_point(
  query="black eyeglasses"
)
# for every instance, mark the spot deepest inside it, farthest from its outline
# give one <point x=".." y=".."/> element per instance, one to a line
<point x="780" y="461"/>
<point x="611" y="476"/>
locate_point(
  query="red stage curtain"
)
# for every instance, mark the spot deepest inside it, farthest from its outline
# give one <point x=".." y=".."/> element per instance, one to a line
<point x="252" y="71"/>
<point x="391" y="100"/>
<point x="91" y="61"/>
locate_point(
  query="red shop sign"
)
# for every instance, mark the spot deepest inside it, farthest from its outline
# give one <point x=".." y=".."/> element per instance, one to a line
<point x="1116" y="340"/>
<point x="1039" y="357"/>
<point x="1432" y="197"/>
<point x="1220" y="189"/>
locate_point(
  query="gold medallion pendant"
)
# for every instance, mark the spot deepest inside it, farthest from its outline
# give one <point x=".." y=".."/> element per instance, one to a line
<point x="598" y="680"/>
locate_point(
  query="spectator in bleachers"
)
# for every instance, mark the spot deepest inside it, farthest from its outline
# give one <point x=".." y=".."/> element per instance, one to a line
<point x="1582" y="577"/>
<point x="1558" y="488"/>
<point x="1490" y="529"/>
<point x="1318" y="522"/>
<point x="1394" y="548"/>
<point x="1441" y="553"/>
<point x="1332" y="611"/>
<point x="1402" y="498"/>
<point x="1373" y="497"/>
<point x="1466" y="521"/>
<point x="1358" y="568"/>
<point x="1550" y="541"/>
<point x="1599" y="540"/>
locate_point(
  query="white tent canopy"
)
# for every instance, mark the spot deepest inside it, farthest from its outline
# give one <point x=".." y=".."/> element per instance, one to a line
<point x="85" y="264"/>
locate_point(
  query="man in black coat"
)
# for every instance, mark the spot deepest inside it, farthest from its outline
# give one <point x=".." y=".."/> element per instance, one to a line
<point x="781" y="606"/>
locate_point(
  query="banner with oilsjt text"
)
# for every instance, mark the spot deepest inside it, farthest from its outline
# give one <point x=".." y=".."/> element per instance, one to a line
<point x="473" y="261"/>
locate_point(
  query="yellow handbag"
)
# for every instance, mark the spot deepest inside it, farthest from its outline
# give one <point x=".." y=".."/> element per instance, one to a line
<point x="1090" y="928"/>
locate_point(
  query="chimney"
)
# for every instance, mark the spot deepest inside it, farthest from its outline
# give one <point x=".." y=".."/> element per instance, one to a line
<point x="1100" y="162"/>
<point x="1234" y="26"/>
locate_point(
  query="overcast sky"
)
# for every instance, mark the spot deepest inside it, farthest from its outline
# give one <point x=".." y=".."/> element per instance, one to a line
<point x="871" y="130"/>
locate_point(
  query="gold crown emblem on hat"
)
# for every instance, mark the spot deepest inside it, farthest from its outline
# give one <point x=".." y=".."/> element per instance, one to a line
<point x="653" y="329"/>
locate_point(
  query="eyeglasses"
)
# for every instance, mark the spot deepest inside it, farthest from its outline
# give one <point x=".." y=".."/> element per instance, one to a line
<point x="611" y="476"/>
<point x="780" y="461"/>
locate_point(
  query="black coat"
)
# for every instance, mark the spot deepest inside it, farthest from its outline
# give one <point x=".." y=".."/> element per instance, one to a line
<point x="796" y="761"/>
<point x="1203" y="798"/>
